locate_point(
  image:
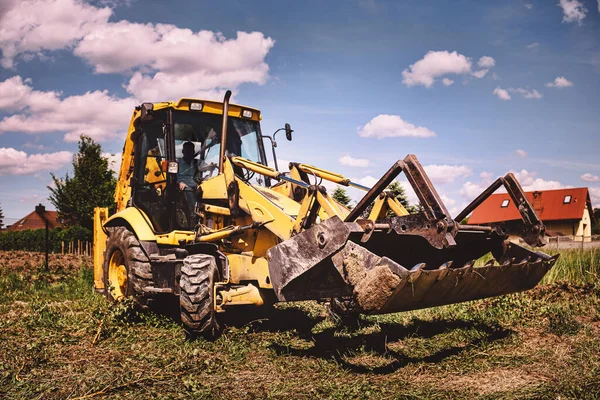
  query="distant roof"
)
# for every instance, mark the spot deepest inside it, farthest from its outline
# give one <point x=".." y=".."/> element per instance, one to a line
<point x="550" y="205"/>
<point x="34" y="221"/>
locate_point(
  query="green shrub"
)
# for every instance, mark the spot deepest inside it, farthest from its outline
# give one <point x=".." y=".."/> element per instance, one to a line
<point x="35" y="239"/>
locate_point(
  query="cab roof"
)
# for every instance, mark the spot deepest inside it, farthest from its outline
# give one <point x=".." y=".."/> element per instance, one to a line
<point x="209" y="106"/>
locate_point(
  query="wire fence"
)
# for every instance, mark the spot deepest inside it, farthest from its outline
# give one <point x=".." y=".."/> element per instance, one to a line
<point x="570" y="242"/>
<point x="34" y="234"/>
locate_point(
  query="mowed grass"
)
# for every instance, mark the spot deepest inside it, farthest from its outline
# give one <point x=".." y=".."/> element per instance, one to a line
<point x="60" y="340"/>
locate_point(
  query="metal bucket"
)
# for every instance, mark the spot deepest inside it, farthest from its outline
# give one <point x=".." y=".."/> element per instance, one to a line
<point x="391" y="272"/>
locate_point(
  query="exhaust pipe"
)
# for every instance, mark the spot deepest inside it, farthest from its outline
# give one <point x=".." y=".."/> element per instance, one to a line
<point x="224" y="130"/>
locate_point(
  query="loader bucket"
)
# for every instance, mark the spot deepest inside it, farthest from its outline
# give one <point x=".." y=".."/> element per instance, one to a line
<point x="391" y="272"/>
<point x="413" y="261"/>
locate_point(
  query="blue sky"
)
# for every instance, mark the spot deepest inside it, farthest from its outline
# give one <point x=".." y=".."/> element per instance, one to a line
<point x="474" y="89"/>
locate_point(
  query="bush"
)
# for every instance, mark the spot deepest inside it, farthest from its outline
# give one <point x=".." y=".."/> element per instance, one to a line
<point x="35" y="239"/>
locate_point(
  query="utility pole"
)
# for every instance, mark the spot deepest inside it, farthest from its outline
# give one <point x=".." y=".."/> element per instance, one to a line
<point x="41" y="211"/>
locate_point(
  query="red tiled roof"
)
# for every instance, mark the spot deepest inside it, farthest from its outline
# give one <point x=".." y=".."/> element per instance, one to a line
<point x="548" y="204"/>
<point x="34" y="221"/>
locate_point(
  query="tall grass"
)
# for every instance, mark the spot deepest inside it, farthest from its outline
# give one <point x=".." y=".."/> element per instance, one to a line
<point x="578" y="266"/>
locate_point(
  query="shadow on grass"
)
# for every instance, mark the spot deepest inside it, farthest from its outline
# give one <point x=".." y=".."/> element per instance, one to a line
<point x="330" y="344"/>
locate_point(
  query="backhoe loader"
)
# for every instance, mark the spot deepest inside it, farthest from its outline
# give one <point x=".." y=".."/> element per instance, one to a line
<point x="235" y="232"/>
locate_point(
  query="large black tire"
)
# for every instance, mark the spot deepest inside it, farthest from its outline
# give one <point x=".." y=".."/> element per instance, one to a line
<point x="122" y="247"/>
<point x="196" y="301"/>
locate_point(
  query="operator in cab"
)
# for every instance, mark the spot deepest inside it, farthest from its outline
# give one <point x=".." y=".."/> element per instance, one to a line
<point x="188" y="173"/>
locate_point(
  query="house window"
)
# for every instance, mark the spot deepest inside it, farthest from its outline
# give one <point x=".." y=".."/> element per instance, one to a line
<point x="567" y="199"/>
<point x="505" y="203"/>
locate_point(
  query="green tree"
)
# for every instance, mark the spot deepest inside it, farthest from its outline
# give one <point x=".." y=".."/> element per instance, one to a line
<point x="1" y="219"/>
<point x="340" y="195"/>
<point x="596" y="222"/>
<point x="399" y="193"/>
<point x="92" y="185"/>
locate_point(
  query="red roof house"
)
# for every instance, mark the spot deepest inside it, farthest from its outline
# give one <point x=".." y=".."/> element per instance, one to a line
<point x="36" y="220"/>
<point x="563" y="211"/>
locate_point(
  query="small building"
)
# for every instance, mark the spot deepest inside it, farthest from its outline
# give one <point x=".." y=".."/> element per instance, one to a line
<point x="565" y="212"/>
<point x="36" y="220"/>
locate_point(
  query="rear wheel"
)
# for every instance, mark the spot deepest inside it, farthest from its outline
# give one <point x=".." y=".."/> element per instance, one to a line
<point x="196" y="301"/>
<point x="127" y="270"/>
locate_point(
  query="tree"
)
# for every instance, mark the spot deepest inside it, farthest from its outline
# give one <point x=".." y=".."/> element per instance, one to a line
<point x="340" y="195"/>
<point x="1" y="219"/>
<point x="92" y="185"/>
<point x="596" y="226"/>
<point x="399" y="193"/>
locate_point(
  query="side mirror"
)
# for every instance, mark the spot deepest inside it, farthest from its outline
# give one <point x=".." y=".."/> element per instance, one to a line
<point x="147" y="112"/>
<point x="288" y="131"/>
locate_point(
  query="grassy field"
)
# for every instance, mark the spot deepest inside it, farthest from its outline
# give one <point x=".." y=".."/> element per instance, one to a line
<point x="59" y="340"/>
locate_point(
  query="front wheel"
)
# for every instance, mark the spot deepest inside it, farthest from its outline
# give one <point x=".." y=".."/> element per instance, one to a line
<point x="127" y="270"/>
<point x="199" y="274"/>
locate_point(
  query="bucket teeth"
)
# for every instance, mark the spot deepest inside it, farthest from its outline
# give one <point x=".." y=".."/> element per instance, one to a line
<point x="489" y="263"/>
<point x="418" y="267"/>
<point x="415" y="272"/>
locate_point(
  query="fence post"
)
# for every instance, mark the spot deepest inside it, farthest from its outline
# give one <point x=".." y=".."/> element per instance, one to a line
<point x="62" y="247"/>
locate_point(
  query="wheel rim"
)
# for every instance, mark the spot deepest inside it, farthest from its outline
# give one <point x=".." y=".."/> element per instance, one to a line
<point x="117" y="275"/>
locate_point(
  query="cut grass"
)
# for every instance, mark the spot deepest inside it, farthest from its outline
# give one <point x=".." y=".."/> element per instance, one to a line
<point x="60" y="340"/>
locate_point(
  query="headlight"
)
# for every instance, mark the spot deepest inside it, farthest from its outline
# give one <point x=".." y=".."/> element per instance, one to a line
<point x="196" y="106"/>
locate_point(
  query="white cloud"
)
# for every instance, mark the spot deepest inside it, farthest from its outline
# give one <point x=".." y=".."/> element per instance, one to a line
<point x="530" y="182"/>
<point x="436" y="64"/>
<point x="182" y="62"/>
<point x="486" y="62"/>
<point x="480" y="74"/>
<point x="590" y="178"/>
<point x="433" y="65"/>
<point x="533" y="45"/>
<point x="95" y="114"/>
<point x="353" y="162"/>
<point x="560" y="82"/>
<point x="368" y="181"/>
<point x="528" y="94"/>
<point x="521" y="153"/>
<point x="441" y="174"/>
<point x="528" y="6"/>
<point x="384" y="125"/>
<point x="573" y="10"/>
<point x="502" y="94"/>
<point x="166" y="62"/>
<point x="15" y="162"/>
<point x="29" y="27"/>
<point x="470" y="190"/>
<point x="114" y="161"/>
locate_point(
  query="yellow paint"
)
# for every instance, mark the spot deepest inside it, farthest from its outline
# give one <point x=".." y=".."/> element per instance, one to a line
<point x="244" y="268"/>
<point x="136" y="219"/>
<point x="117" y="275"/>
<point x="100" y="216"/>
<point x="322" y="173"/>
<point x="173" y="238"/>
<point x="239" y="296"/>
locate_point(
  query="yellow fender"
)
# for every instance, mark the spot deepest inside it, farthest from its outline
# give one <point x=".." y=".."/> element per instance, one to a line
<point x="138" y="221"/>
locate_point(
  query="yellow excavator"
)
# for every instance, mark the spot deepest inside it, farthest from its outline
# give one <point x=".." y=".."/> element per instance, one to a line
<point x="201" y="217"/>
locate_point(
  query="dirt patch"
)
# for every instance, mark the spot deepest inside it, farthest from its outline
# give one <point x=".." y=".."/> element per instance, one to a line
<point x="25" y="261"/>
<point x="493" y="382"/>
<point x="372" y="285"/>
<point x="354" y="267"/>
<point x="375" y="289"/>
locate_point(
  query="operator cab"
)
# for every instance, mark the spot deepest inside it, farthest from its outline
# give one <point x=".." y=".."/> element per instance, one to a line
<point x="189" y="141"/>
